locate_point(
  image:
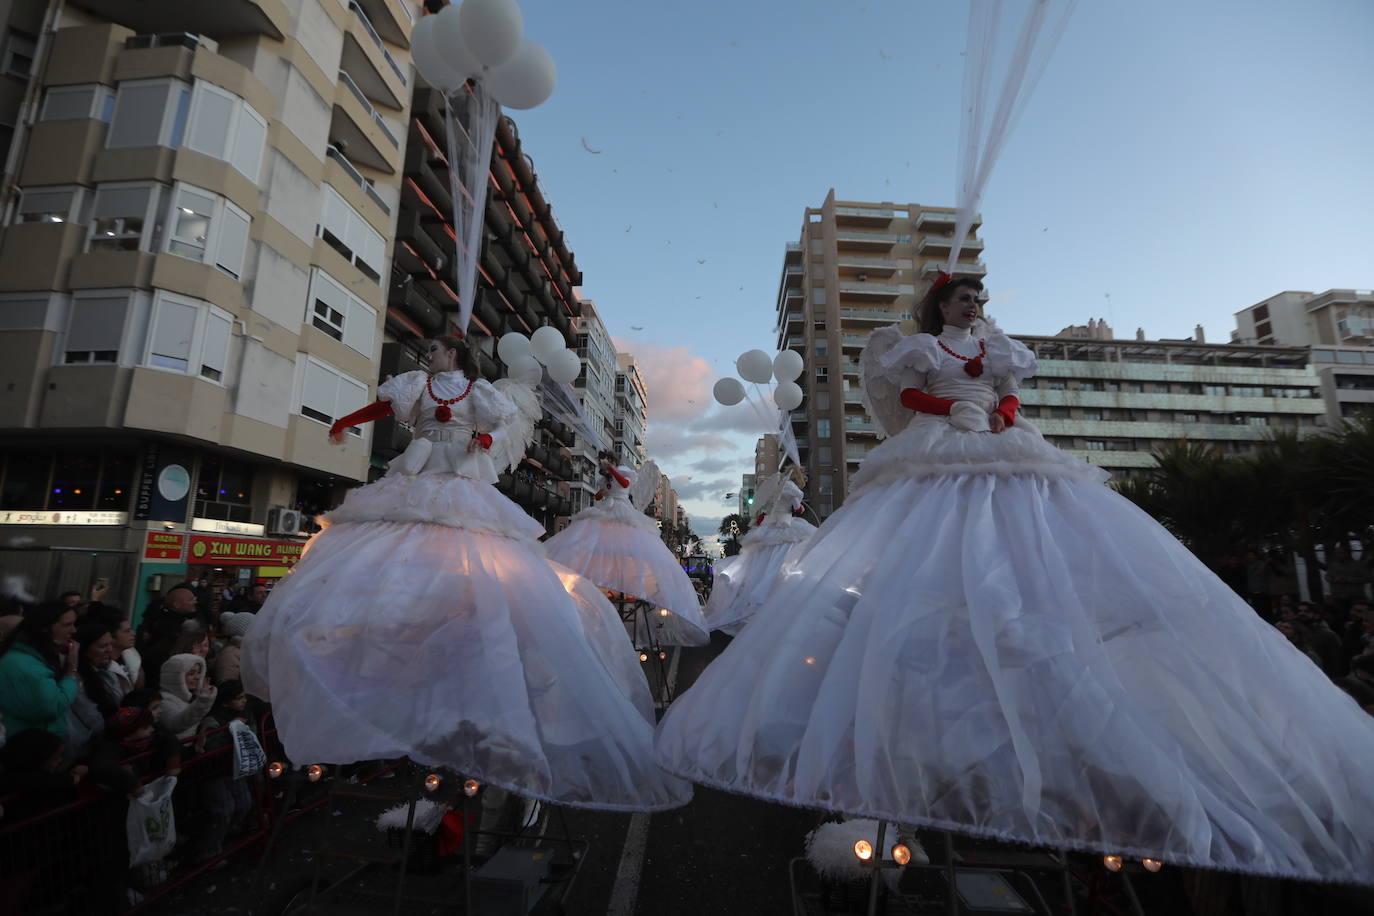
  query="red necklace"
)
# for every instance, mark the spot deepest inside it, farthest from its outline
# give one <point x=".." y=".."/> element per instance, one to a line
<point x="973" y="365"/>
<point x="442" y="412"/>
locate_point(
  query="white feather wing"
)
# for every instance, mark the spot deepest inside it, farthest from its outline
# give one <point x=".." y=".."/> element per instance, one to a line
<point x="645" y="485"/>
<point x="881" y="397"/>
<point x="508" y="451"/>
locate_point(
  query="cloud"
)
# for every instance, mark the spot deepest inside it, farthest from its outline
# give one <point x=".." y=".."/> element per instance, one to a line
<point x="705" y="525"/>
<point x="669" y="441"/>
<point x="678" y="381"/>
<point x="704" y="490"/>
<point x="738" y="419"/>
<point x="716" y="465"/>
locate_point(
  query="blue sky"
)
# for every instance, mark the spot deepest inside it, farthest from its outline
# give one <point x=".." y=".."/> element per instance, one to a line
<point x="1179" y="161"/>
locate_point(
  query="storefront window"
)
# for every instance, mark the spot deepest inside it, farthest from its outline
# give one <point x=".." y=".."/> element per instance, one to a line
<point x="224" y="490"/>
<point x="116" y="481"/>
<point x="74" y="481"/>
<point x="26" y="481"/>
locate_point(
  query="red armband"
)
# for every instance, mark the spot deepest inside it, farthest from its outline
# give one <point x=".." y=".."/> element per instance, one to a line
<point x="1007" y="408"/>
<point x="759" y="520"/>
<point x="620" y="478"/>
<point x="600" y="495"/>
<point x="919" y="401"/>
<point x="483" y="439"/>
<point x="374" y="411"/>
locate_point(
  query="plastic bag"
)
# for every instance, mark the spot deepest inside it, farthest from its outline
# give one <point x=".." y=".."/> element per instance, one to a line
<point x="150" y="824"/>
<point x="249" y="757"/>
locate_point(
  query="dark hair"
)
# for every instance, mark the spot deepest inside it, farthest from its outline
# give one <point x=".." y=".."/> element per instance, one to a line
<point x="143" y="697"/>
<point x="112" y="617"/>
<point x="1363" y="663"/>
<point x="927" y="312"/>
<point x="467" y="363"/>
<point x="97" y="691"/>
<point x="1358" y="690"/>
<point x="65" y="595"/>
<point x="35" y="631"/>
<point x="186" y="640"/>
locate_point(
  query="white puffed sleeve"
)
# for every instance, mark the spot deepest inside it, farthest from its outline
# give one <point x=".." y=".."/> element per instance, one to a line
<point x="403" y="391"/>
<point x="890" y="363"/>
<point x="1009" y="361"/>
<point x="492" y="410"/>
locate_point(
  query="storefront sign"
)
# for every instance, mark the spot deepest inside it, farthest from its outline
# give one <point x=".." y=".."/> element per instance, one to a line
<point x="219" y="526"/>
<point x="40" y="517"/>
<point x="208" y="550"/>
<point x="162" y="545"/>
<point x="164" y="484"/>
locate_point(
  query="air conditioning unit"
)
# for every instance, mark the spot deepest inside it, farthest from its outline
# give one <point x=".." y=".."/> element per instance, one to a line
<point x="281" y="520"/>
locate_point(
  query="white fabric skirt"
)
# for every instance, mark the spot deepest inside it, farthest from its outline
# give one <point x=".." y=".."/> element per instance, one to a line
<point x="462" y="648"/>
<point x="744" y="582"/>
<point x="1030" y="657"/>
<point x="627" y="556"/>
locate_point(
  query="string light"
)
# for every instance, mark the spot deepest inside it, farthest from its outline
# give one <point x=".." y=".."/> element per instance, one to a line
<point x="314" y="772"/>
<point x="470" y="787"/>
<point x="1112" y="863"/>
<point x="1152" y="865"/>
<point x="864" y="850"/>
<point x="275" y="769"/>
<point x="901" y="854"/>
<point x="432" y="782"/>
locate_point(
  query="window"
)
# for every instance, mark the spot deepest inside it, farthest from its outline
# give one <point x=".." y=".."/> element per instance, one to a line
<point x="1092" y="414"/>
<point x="344" y="230"/>
<point x="1091" y="386"/>
<point x="1214" y="390"/>
<point x="1264" y="329"/>
<point x="188" y="336"/>
<point x="1243" y="391"/>
<point x="1262" y="312"/>
<point x="73" y="103"/>
<point x="340" y="314"/>
<point x="1133" y="387"/>
<point x="1059" y="413"/>
<point x="224" y="490"/>
<point x="826" y="485"/>
<point x="95" y="327"/>
<point x="822" y="400"/>
<point x="822" y="374"/>
<point x="226" y="127"/>
<point x="818" y="295"/>
<point x="49" y="205"/>
<point x="1095" y="445"/>
<point x="823" y="455"/>
<point x="149" y="113"/>
<point x="1055" y="384"/>
<point x="120" y="215"/>
<point x="207" y="228"/>
<point x="1187" y="418"/>
<point x="818" y="324"/>
<point x="1257" y="421"/>
<point x="823" y="428"/>
<point x="327" y="393"/>
<point x="820" y="348"/>
<point x="19" y="52"/>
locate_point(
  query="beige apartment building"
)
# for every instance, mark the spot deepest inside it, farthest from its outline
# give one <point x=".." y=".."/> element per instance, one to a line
<point x="1337" y="326"/>
<point x="855" y="267"/>
<point x="630" y="412"/>
<point x="194" y="279"/>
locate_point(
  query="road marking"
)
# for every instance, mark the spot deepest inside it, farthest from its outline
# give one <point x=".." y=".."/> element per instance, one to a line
<point x="625" y="894"/>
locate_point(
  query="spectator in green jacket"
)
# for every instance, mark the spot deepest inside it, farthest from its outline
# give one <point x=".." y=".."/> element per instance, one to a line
<point x="38" y="665"/>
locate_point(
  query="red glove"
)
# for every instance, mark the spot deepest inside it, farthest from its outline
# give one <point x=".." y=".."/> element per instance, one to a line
<point x="759" y="520"/>
<point x="483" y="439"/>
<point x="374" y="411"/>
<point x="1007" y="408"/>
<point x="620" y="478"/>
<point x="917" y="400"/>
<point x="600" y="495"/>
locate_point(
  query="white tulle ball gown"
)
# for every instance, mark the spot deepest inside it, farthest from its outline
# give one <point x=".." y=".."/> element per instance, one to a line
<point x="618" y="547"/>
<point x="743" y="582"/>
<point x="424" y="621"/>
<point x="985" y="638"/>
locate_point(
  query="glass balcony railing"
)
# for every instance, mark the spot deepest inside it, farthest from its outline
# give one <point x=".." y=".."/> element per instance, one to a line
<point x="333" y="153"/>
<point x="872" y="212"/>
<point x="377" y="39"/>
<point x="376" y="118"/>
<point x="873" y="289"/>
<point x="870" y="314"/>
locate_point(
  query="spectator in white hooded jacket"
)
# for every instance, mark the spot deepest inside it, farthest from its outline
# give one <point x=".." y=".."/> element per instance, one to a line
<point x="186" y="694"/>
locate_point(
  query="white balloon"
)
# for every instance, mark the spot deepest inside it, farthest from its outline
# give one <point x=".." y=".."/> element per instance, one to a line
<point x="491" y="29"/>
<point x="451" y="43"/>
<point x="728" y="391"/>
<point x="525" y="369"/>
<point x="755" y="366"/>
<point x="512" y="344"/>
<point x="788" y="395"/>
<point x="565" y="366"/>
<point x="545" y="342"/>
<point x="787" y="365"/>
<point x="526" y="80"/>
<point x="431" y="60"/>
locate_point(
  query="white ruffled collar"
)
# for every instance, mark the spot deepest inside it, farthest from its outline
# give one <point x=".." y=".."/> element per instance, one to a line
<point x="955" y="334"/>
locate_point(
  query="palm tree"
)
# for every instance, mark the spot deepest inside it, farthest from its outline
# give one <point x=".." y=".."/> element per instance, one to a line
<point x="732" y="528"/>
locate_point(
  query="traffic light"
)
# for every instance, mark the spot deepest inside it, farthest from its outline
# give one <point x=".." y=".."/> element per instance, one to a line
<point x="749" y="500"/>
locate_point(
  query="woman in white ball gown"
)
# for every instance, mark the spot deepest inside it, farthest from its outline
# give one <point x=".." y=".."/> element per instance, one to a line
<point x="985" y="638"/>
<point x="614" y="544"/>
<point x="424" y="621"/>
<point x="743" y="582"/>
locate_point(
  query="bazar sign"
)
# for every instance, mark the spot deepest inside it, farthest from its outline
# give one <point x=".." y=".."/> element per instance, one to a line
<point x="206" y="549"/>
<point x="163" y="546"/>
<point x="39" y="517"/>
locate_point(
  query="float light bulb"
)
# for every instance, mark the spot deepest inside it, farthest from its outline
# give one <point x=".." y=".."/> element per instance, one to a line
<point x="864" y="850"/>
<point x="314" y="772"/>
<point x="1152" y="865"/>
<point x="901" y="854"/>
<point x="1112" y="863"/>
<point x="470" y="787"/>
<point x="644" y="656"/>
<point x="275" y="769"/>
<point x="432" y="782"/>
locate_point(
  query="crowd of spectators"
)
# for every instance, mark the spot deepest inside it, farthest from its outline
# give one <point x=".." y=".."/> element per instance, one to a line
<point x="92" y="710"/>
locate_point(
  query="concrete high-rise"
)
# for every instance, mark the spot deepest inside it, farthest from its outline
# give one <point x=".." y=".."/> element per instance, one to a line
<point x="855" y="267"/>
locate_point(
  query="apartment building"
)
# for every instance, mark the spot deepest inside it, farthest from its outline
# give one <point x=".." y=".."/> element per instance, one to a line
<point x="1337" y="326"/>
<point x="193" y="281"/>
<point x="1112" y="402"/>
<point x="630" y="423"/>
<point x="856" y="266"/>
<point x="595" y="388"/>
<point x="767" y="456"/>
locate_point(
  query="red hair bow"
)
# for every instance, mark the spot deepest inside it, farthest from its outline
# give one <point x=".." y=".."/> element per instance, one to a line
<point x="941" y="278"/>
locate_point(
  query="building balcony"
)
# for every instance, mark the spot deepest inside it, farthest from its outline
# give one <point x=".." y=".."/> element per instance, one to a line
<point x="935" y="245"/>
<point x="880" y="316"/>
<point x="220" y="19"/>
<point x="369" y="140"/>
<point x="861" y="428"/>
<point x="333" y="152"/>
<point x="1355" y="328"/>
<point x="849" y="368"/>
<point x="853" y="341"/>
<point x="796" y="343"/>
<point x="859" y="240"/>
<point x="853" y="397"/>
<point x="865" y="290"/>
<point x="371" y="65"/>
<point x="961" y="268"/>
<point x="864" y="216"/>
<point x="853" y="265"/>
<point x="942" y="219"/>
<point x="393" y="19"/>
